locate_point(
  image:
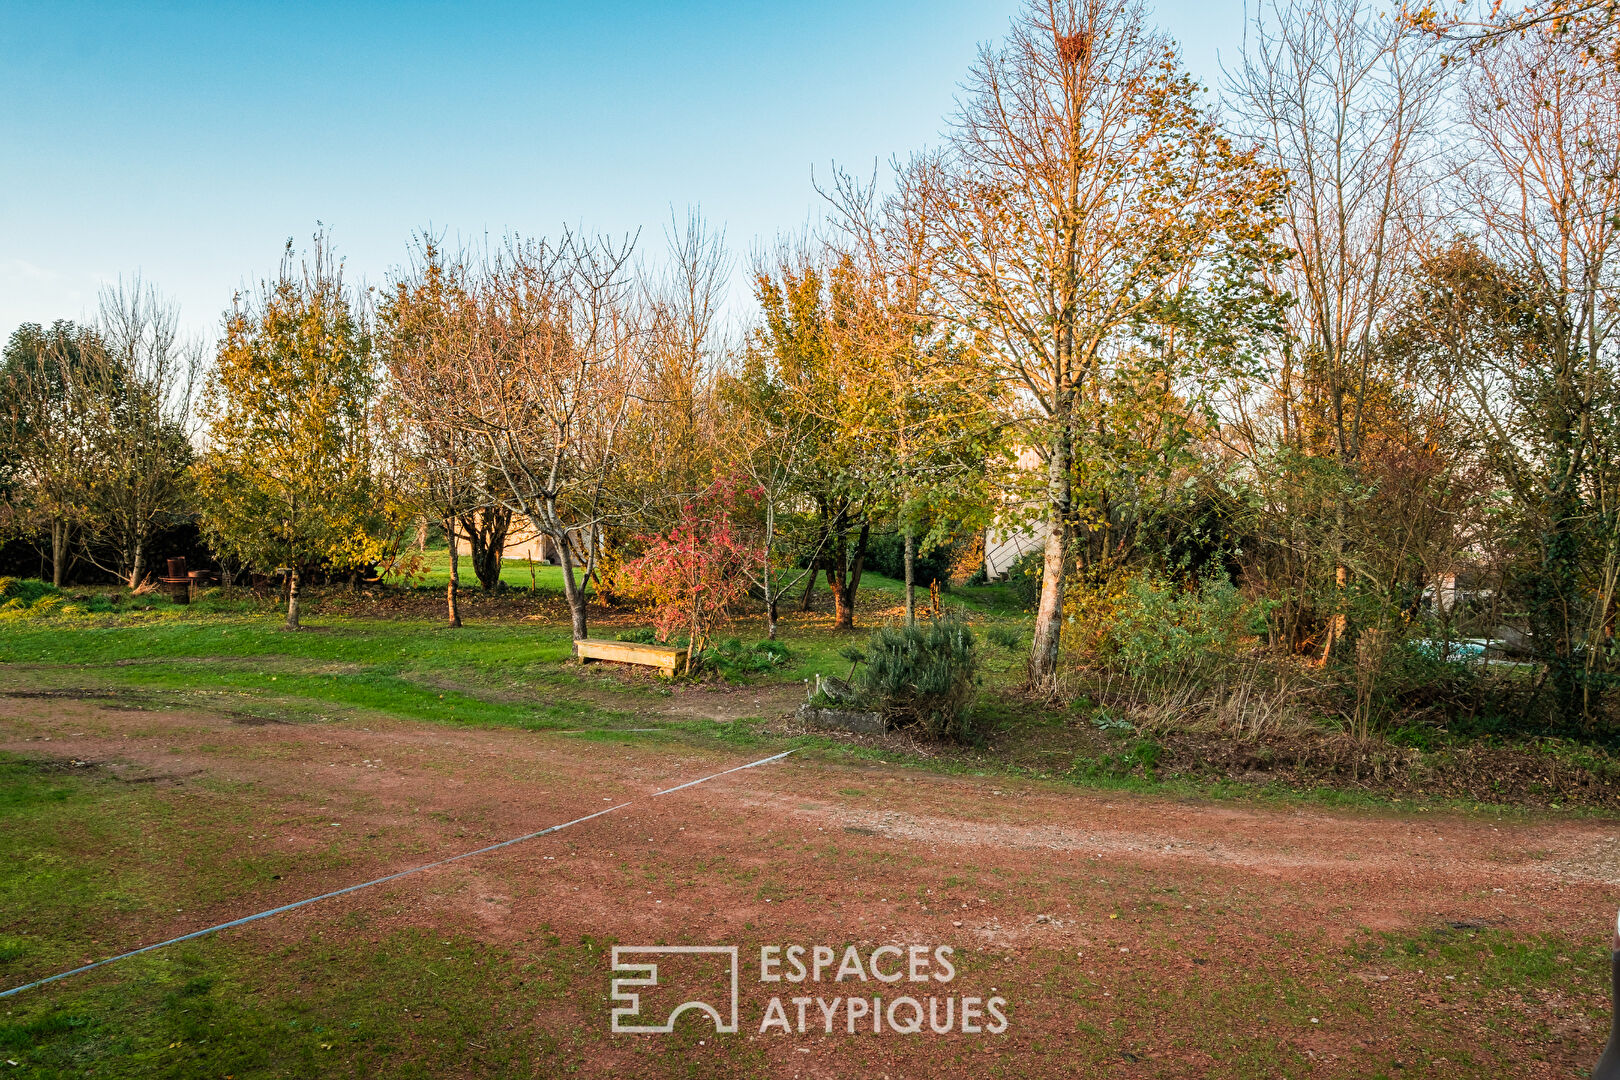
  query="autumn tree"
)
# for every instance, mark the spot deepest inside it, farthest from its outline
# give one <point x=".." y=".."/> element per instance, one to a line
<point x="928" y="386"/>
<point x="554" y="374"/>
<point x="1345" y="101"/>
<point x="426" y="328"/>
<point x="765" y="436"/>
<point x="1083" y="193"/>
<point x="287" y="481"/>
<point x="813" y="365"/>
<point x="48" y="437"/>
<point x="693" y="572"/>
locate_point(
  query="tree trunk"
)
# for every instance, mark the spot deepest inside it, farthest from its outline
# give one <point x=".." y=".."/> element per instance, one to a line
<point x="571" y="588"/>
<point x="848" y="582"/>
<point x="137" y="564"/>
<point x="911" y="579"/>
<point x="576" y="601"/>
<point x="292" y="599"/>
<point x="1043" y="654"/>
<point x="1338" y="623"/>
<point x="59" y="539"/>
<point x="692" y="634"/>
<point x="843" y="605"/>
<point x="765" y="571"/>
<point x="809" y="589"/>
<point x="452" y="589"/>
<point x="486" y="537"/>
<point x="860" y="563"/>
<point x="1550" y="618"/>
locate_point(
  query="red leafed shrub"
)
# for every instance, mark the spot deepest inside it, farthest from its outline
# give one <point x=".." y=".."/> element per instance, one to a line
<point x="688" y="576"/>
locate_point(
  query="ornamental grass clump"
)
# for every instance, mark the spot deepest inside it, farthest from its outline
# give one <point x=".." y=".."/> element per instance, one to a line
<point x="925" y="676"/>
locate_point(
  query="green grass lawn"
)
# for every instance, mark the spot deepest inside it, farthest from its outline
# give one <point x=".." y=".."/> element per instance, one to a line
<point x="514" y="572"/>
<point x="487" y="675"/>
<point x="512" y="671"/>
<point x="994" y="599"/>
<point x="86" y="863"/>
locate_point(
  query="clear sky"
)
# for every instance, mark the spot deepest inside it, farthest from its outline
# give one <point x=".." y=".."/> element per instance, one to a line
<point x="187" y="141"/>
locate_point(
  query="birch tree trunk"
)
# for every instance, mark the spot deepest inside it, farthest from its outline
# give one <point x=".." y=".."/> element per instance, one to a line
<point x="452" y="589"/>
<point x="1043" y="656"/>
<point x="292" y="598"/>
<point x="137" y="564"/>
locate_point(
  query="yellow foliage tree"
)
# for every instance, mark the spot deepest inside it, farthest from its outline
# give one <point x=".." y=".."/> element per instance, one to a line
<point x="287" y="482"/>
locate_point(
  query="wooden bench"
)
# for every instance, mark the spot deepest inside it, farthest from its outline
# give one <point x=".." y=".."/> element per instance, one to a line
<point x="628" y="652"/>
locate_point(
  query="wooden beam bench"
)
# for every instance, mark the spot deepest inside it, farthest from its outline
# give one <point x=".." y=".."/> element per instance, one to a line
<point x="627" y="652"/>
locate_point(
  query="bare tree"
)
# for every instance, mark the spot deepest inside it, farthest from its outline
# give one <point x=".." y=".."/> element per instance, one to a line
<point x="554" y="376"/>
<point x="1345" y="101"/>
<point x="1081" y="191"/>
<point x="1542" y="189"/>
<point x="670" y="446"/>
<point x="139" y="397"/>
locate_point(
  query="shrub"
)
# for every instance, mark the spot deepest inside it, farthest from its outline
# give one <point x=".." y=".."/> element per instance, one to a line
<point x="1159" y="628"/>
<point x="26" y="591"/>
<point x="1024" y="576"/>
<point x="1386" y="679"/>
<point x="773" y="648"/>
<point x="641" y="635"/>
<point x="690" y="575"/>
<point x="923" y="675"/>
<point x="732" y="658"/>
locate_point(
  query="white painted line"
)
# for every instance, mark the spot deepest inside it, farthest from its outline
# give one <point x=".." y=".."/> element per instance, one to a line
<point x="377" y="881"/>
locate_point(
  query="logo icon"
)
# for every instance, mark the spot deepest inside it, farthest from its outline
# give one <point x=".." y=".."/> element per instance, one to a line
<point x="626" y="959"/>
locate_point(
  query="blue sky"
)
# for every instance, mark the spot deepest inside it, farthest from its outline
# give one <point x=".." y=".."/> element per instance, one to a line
<point x="188" y="141"/>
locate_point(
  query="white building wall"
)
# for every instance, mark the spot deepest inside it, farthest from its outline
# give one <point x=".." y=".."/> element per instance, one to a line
<point x="1005" y="546"/>
<point x="1002" y="550"/>
<point x="523" y="541"/>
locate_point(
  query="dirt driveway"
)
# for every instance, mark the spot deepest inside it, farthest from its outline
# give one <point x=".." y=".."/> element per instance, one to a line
<point x="1126" y="935"/>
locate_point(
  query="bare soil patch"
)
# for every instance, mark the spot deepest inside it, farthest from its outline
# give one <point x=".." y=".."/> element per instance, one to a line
<point x="1126" y="931"/>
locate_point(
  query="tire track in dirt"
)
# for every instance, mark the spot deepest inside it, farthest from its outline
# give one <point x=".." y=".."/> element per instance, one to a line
<point x="1025" y="875"/>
